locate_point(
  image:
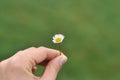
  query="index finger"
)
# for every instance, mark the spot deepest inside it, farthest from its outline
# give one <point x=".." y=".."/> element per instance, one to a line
<point x="37" y="55"/>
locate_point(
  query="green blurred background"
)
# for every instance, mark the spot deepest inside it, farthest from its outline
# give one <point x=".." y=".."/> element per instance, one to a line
<point x="91" y="29"/>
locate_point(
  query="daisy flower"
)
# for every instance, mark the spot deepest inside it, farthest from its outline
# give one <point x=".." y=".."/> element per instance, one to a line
<point x="58" y="38"/>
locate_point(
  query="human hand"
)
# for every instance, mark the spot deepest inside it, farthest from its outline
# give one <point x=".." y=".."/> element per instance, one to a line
<point x="22" y="65"/>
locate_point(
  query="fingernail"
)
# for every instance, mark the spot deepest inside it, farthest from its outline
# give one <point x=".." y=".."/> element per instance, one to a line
<point x="63" y="60"/>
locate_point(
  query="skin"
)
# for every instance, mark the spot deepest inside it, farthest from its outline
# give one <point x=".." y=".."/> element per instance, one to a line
<point x="22" y="65"/>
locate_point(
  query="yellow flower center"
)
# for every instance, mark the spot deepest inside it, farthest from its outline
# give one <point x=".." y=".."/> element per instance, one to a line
<point x="58" y="39"/>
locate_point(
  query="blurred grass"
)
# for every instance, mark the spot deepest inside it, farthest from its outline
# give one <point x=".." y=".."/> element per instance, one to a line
<point x="91" y="28"/>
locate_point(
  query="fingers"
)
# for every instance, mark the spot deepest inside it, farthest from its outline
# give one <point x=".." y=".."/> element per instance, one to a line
<point x="30" y="57"/>
<point x="53" y="68"/>
<point x="36" y="55"/>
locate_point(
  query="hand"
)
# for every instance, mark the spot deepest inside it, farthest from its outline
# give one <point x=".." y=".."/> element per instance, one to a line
<point x="22" y="65"/>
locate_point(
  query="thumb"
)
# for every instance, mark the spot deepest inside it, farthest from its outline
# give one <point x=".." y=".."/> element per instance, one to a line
<point x="53" y="67"/>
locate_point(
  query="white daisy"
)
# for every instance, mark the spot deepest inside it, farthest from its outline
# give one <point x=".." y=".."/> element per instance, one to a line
<point x="58" y="38"/>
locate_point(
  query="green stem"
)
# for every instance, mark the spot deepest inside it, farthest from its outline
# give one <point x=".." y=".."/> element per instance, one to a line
<point x="59" y="47"/>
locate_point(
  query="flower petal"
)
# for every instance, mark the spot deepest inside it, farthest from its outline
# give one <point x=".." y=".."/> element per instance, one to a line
<point x="54" y="41"/>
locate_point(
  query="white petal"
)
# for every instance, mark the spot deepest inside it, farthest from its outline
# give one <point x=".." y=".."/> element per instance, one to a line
<point x="53" y="37"/>
<point x="57" y="35"/>
<point x="54" y="41"/>
<point x="62" y="37"/>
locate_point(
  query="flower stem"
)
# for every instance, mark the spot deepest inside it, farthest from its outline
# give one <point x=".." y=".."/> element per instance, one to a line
<point x="59" y="47"/>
